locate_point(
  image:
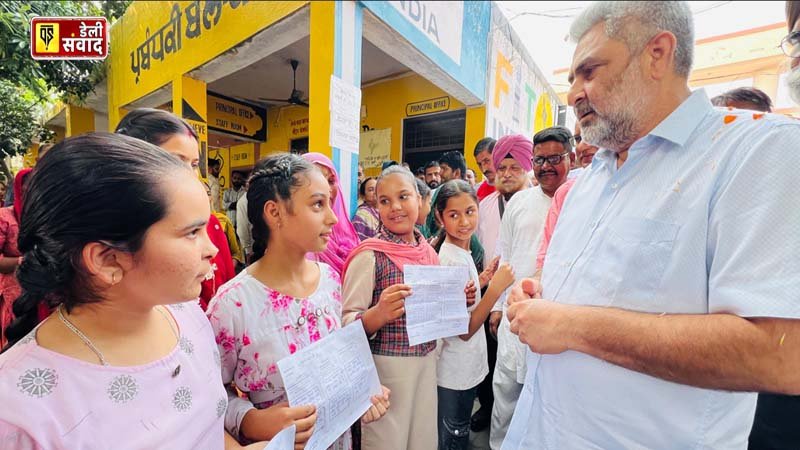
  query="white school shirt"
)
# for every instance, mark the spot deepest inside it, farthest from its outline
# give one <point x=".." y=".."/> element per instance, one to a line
<point x="462" y="364"/>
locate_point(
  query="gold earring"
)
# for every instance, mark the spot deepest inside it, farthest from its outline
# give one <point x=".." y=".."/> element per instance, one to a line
<point x="114" y="278"/>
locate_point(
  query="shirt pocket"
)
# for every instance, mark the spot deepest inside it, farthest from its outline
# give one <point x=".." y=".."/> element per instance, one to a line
<point x="639" y="251"/>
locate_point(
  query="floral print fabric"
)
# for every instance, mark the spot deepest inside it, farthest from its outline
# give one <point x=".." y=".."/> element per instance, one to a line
<point x="255" y="326"/>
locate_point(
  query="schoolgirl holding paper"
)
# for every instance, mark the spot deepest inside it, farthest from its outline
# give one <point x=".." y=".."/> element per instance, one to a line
<point x="281" y="303"/>
<point x="462" y="361"/>
<point x="374" y="292"/>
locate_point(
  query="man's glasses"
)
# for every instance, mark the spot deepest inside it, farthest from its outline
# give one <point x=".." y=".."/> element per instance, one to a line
<point x="553" y="160"/>
<point x="791" y="44"/>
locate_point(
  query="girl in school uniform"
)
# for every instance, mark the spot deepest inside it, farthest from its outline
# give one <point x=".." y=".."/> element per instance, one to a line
<point x="280" y="303"/>
<point x="374" y="292"/>
<point x="124" y="361"/>
<point x="462" y="361"/>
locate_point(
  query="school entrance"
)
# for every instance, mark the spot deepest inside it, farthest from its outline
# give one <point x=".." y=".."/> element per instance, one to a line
<point x="427" y="137"/>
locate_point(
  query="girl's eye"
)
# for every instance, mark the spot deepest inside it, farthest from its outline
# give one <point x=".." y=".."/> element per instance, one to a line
<point x="318" y="204"/>
<point x="403" y="197"/>
<point x="193" y="234"/>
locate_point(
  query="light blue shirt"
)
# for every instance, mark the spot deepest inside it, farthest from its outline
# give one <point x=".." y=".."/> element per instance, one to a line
<point x="703" y="217"/>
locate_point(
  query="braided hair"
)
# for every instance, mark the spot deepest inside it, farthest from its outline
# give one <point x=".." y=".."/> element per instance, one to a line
<point x="274" y="178"/>
<point x="96" y="187"/>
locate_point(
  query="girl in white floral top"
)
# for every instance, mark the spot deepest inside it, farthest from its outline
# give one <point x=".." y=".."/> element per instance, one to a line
<point x="281" y="303"/>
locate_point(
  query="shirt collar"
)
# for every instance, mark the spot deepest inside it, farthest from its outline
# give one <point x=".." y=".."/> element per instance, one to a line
<point x="681" y="123"/>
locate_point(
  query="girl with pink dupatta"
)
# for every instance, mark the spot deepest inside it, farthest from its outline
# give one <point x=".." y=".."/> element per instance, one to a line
<point x="374" y="292"/>
<point x="343" y="236"/>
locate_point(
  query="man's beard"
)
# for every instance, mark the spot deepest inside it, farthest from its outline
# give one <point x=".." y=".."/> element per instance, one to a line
<point x="618" y="127"/>
<point x="793" y="83"/>
<point x="433" y="184"/>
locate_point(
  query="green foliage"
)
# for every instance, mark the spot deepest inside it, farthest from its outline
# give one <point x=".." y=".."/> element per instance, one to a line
<point x="18" y="124"/>
<point x="27" y="85"/>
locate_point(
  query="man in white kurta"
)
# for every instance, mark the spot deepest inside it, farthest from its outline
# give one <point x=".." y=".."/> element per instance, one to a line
<point x="520" y="234"/>
<point x="513" y="155"/>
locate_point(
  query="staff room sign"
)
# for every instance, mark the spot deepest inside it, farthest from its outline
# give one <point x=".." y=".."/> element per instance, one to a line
<point x="237" y="117"/>
<point x="428" y="106"/>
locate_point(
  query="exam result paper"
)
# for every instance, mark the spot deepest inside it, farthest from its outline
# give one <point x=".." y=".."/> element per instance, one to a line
<point x="283" y="440"/>
<point x="437" y="308"/>
<point x="338" y="376"/>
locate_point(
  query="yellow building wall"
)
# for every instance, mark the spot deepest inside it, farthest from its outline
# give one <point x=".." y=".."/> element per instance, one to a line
<point x="59" y="133"/>
<point x="386" y="105"/>
<point x="283" y="125"/>
<point x="475" y="130"/>
<point x="217" y="26"/>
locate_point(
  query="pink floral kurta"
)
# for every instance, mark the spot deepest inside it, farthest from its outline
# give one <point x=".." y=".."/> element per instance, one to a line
<point x="256" y="326"/>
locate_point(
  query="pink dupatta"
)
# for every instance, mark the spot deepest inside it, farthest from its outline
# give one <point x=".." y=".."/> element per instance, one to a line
<point x="343" y="236"/>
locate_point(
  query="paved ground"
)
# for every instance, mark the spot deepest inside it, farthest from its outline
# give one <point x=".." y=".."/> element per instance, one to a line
<point x="478" y="441"/>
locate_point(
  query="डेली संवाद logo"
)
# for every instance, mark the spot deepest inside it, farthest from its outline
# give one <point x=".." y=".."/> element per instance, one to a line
<point x="69" y="38"/>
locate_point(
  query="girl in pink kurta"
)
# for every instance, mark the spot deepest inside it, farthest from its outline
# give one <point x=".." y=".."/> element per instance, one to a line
<point x="113" y="239"/>
<point x="281" y="303"/>
<point x="52" y="401"/>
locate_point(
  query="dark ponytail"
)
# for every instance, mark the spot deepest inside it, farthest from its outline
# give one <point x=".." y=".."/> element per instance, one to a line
<point x="153" y="125"/>
<point x="447" y="191"/>
<point x="97" y="187"/>
<point x="274" y="178"/>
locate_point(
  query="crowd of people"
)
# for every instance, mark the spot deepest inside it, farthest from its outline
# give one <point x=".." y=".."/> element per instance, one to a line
<point x="632" y="284"/>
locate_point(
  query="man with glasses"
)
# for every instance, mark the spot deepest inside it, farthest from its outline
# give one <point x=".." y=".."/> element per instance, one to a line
<point x="775" y="423"/>
<point x="670" y="288"/>
<point x="520" y="233"/>
<point x="552" y="156"/>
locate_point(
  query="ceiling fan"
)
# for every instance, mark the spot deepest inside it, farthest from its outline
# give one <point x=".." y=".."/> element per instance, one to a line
<point x="296" y="98"/>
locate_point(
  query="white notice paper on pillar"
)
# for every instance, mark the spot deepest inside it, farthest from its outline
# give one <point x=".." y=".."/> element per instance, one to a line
<point x="438" y="306"/>
<point x="338" y="375"/>
<point x="345" y="106"/>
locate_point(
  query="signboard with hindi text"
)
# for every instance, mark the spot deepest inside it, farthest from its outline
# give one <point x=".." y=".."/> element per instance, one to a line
<point x="153" y="41"/>
<point x="236" y="117"/>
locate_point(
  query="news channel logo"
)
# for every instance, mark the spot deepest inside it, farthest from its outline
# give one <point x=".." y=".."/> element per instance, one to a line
<point x="69" y="38"/>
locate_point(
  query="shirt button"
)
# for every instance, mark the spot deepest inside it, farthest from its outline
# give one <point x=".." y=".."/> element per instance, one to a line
<point x="614" y="186"/>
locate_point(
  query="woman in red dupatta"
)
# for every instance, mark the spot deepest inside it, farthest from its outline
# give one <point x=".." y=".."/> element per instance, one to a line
<point x="10" y="257"/>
